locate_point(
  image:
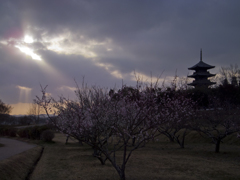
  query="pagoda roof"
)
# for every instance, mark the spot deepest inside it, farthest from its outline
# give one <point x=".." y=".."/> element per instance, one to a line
<point x="203" y="82"/>
<point x="207" y="74"/>
<point x="201" y="65"/>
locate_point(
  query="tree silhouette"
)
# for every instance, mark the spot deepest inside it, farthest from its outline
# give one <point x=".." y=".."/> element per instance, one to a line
<point x="4" y="108"/>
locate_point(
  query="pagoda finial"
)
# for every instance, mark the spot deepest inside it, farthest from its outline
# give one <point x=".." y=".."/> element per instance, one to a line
<point x="201" y="54"/>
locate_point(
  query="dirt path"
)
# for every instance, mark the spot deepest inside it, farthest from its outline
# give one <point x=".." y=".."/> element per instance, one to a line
<point x="12" y="147"/>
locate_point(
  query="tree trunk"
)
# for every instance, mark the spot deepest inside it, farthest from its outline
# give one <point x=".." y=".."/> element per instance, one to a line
<point x="181" y="143"/>
<point x="170" y="137"/>
<point x="122" y="176"/>
<point x="166" y="133"/>
<point x="80" y="142"/>
<point x="121" y="172"/>
<point x="217" y="147"/>
<point x="67" y="140"/>
<point x="98" y="154"/>
<point x="133" y="141"/>
<point x="101" y="160"/>
<point x="180" y="140"/>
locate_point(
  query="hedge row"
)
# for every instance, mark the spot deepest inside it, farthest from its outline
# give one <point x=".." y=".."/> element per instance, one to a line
<point x="8" y="131"/>
<point x="33" y="132"/>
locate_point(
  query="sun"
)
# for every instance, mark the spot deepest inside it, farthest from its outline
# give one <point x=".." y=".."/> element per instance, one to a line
<point x="28" y="39"/>
<point x="26" y="50"/>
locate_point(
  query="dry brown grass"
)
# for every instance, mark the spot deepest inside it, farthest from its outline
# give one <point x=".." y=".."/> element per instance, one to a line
<point x="18" y="167"/>
<point x="159" y="160"/>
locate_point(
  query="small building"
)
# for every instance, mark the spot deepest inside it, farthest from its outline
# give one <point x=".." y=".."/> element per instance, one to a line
<point x="201" y="74"/>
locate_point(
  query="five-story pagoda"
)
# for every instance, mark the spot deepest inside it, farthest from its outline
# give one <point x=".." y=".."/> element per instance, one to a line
<point x="201" y="74"/>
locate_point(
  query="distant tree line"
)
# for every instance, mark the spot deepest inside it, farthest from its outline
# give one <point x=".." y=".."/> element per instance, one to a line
<point x="33" y="115"/>
<point x="6" y="119"/>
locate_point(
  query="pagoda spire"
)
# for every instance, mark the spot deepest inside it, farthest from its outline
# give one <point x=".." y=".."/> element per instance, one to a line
<point x="201" y="54"/>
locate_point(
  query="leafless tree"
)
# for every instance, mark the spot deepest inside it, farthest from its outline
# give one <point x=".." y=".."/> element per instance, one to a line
<point x="230" y="75"/>
<point x="221" y="120"/>
<point x="34" y="112"/>
<point x="106" y="123"/>
<point x="4" y="108"/>
<point x="176" y="113"/>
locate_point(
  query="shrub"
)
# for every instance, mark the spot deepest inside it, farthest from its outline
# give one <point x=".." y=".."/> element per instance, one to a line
<point x="23" y="132"/>
<point x="47" y="135"/>
<point x="12" y="132"/>
<point x="43" y="128"/>
<point x="36" y="131"/>
<point x="8" y="131"/>
<point x="2" y="131"/>
<point x="32" y="132"/>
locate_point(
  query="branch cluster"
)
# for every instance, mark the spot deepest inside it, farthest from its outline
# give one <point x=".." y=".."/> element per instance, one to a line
<point x="116" y="121"/>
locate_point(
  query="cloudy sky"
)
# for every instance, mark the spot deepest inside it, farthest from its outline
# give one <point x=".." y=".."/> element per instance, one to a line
<point x="51" y="42"/>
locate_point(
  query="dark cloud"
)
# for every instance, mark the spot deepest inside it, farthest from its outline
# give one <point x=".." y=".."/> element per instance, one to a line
<point x="102" y="39"/>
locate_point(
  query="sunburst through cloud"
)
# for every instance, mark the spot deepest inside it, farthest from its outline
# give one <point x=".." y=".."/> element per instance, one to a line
<point x="28" y="52"/>
<point x="23" y="47"/>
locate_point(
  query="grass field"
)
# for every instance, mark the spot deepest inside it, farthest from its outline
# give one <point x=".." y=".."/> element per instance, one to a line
<point x="158" y="160"/>
<point x="18" y="167"/>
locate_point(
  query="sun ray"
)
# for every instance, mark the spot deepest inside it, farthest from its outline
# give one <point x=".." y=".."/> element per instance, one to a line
<point x="29" y="52"/>
<point x="25" y="93"/>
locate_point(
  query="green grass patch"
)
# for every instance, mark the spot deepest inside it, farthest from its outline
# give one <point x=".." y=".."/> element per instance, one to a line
<point x="18" y="167"/>
<point x="158" y="160"/>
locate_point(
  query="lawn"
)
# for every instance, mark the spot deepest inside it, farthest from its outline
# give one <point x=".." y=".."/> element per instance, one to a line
<point x="19" y="166"/>
<point x="158" y="160"/>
